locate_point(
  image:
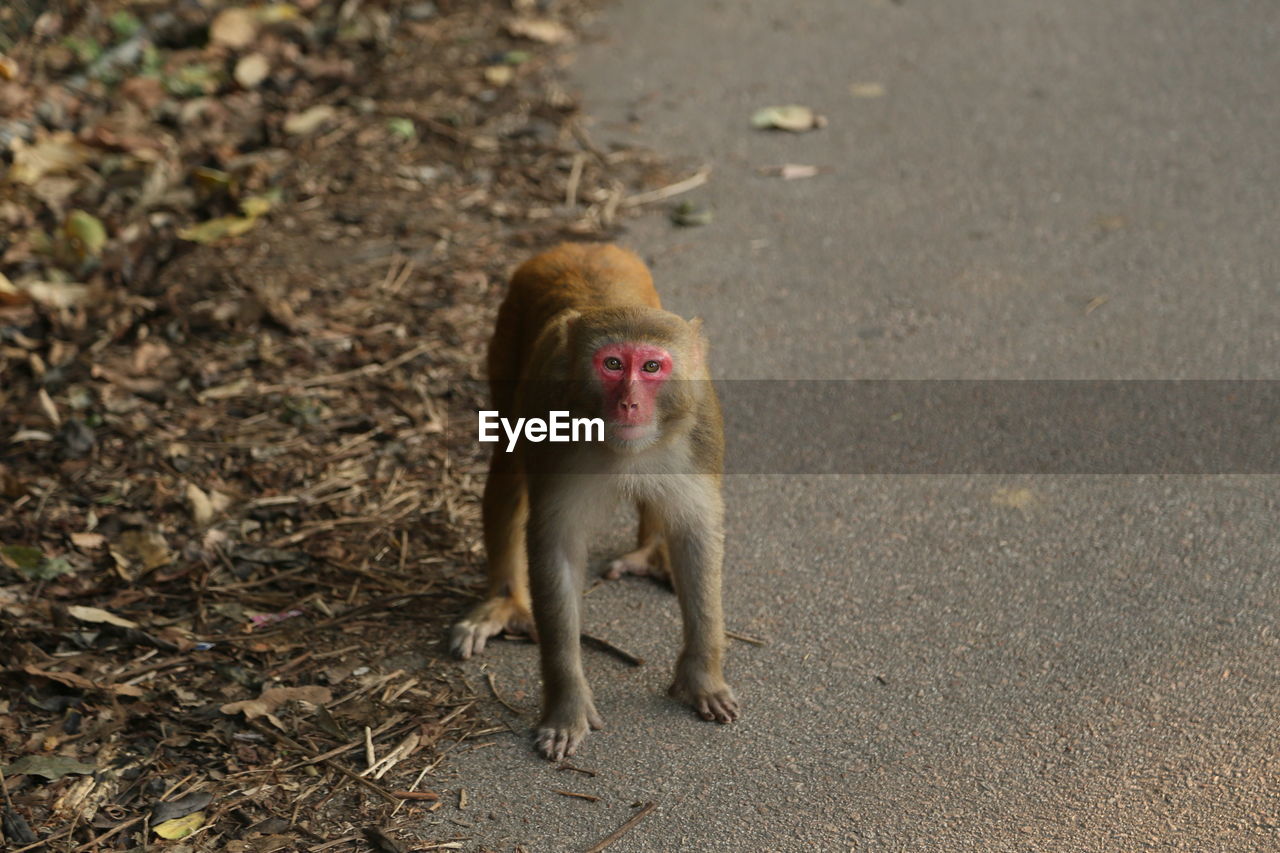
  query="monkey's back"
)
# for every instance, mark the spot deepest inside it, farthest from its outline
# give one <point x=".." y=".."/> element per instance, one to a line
<point x="570" y="276"/>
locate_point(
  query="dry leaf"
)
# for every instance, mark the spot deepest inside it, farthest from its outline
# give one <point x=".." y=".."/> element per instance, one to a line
<point x="499" y="75"/>
<point x="270" y="700"/>
<point x="309" y="120"/>
<point x="791" y="171"/>
<point x="88" y="541"/>
<point x="204" y="507"/>
<point x="83" y="798"/>
<point x="142" y="550"/>
<point x="56" y="294"/>
<point x="792" y="117"/>
<point x="50" y="767"/>
<point x="167" y="810"/>
<point x="252" y="70"/>
<point x="199" y="504"/>
<point x="147" y="356"/>
<point x="55" y="154"/>
<point x="79" y="682"/>
<point x="1011" y="497"/>
<point x="544" y="30"/>
<point x="97" y="616"/>
<point x="10" y="294"/>
<point x="48" y="407"/>
<point x="234" y="28"/>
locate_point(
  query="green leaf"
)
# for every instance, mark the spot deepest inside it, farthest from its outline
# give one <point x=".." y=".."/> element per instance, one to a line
<point x="191" y="81"/>
<point x="50" y="569"/>
<point x="689" y="215"/>
<point x="256" y="205"/>
<point x="50" y="767"/>
<point x="793" y="117"/>
<point x="152" y="61"/>
<point x="86" y="233"/>
<point x="179" y="827"/>
<point x="21" y="557"/>
<point x="124" y="23"/>
<point x="85" y="49"/>
<point x="216" y="229"/>
<point x="402" y="127"/>
<point x="214" y="180"/>
<point x="231" y="226"/>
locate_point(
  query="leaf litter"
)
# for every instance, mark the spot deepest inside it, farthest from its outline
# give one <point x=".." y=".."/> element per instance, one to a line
<point x="249" y="256"/>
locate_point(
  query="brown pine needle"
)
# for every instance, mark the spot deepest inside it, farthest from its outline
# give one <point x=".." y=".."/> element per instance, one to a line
<point x="493" y="685"/>
<point x="625" y="828"/>
<point x="606" y="646"/>
<point x="755" y="641"/>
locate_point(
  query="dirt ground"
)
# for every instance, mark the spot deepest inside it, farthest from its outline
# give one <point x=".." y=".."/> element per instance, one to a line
<point x="248" y="260"/>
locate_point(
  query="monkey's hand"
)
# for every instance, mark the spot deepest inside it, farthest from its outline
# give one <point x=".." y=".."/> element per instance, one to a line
<point x="709" y="695"/>
<point x="488" y="619"/>
<point x="564" y="726"/>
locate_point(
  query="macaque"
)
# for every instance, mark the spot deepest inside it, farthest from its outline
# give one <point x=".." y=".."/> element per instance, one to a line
<point x="582" y="330"/>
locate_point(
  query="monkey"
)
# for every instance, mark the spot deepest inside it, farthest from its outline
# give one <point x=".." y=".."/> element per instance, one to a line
<point x="582" y="329"/>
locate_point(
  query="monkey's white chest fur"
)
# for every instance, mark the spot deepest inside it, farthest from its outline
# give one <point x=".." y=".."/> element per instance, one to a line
<point x="658" y="478"/>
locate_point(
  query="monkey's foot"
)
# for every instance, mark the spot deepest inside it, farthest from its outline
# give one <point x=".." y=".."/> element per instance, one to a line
<point x="562" y="730"/>
<point x="711" y="698"/>
<point x="649" y="562"/>
<point x="501" y="614"/>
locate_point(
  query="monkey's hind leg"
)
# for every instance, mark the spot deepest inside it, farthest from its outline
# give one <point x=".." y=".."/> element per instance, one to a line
<point x="506" y="605"/>
<point x="651" y="558"/>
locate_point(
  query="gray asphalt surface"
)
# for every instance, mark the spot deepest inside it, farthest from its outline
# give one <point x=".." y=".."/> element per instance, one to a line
<point x="1021" y="662"/>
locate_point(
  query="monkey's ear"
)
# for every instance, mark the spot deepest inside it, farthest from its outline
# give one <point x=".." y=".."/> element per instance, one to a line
<point x="565" y="330"/>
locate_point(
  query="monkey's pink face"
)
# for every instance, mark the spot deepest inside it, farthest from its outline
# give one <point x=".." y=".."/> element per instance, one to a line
<point x="631" y="375"/>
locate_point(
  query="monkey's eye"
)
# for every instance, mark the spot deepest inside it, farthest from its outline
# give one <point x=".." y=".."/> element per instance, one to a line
<point x="613" y="363"/>
<point x="652" y="366"/>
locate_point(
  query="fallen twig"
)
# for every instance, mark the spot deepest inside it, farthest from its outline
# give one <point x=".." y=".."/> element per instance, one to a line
<point x="416" y="795"/>
<point x="97" y="841"/>
<point x="575" y="176"/>
<point x="567" y="766"/>
<point x="606" y="646"/>
<point x="355" y="744"/>
<point x="346" y="839"/>
<point x="589" y="797"/>
<point x="624" y="829"/>
<point x="350" y="774"/>
<point x="692" y="182"/>
<point x="493" y="685"/>
<point x="347" y="375"/>
<point x="755" y="641"/>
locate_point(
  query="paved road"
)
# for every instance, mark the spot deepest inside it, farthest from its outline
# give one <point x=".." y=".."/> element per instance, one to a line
<point x="1018" y="662"/>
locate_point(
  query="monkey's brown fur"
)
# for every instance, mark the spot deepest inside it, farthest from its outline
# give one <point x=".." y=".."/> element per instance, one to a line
<point x="541" y="501"/>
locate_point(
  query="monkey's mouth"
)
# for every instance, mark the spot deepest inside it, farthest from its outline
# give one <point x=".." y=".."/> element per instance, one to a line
<point x="630" y="433"/>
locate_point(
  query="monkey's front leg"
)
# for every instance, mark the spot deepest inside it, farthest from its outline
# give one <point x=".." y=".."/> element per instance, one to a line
<point x="697" y="554"/>
<point x="557" y="555"/>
